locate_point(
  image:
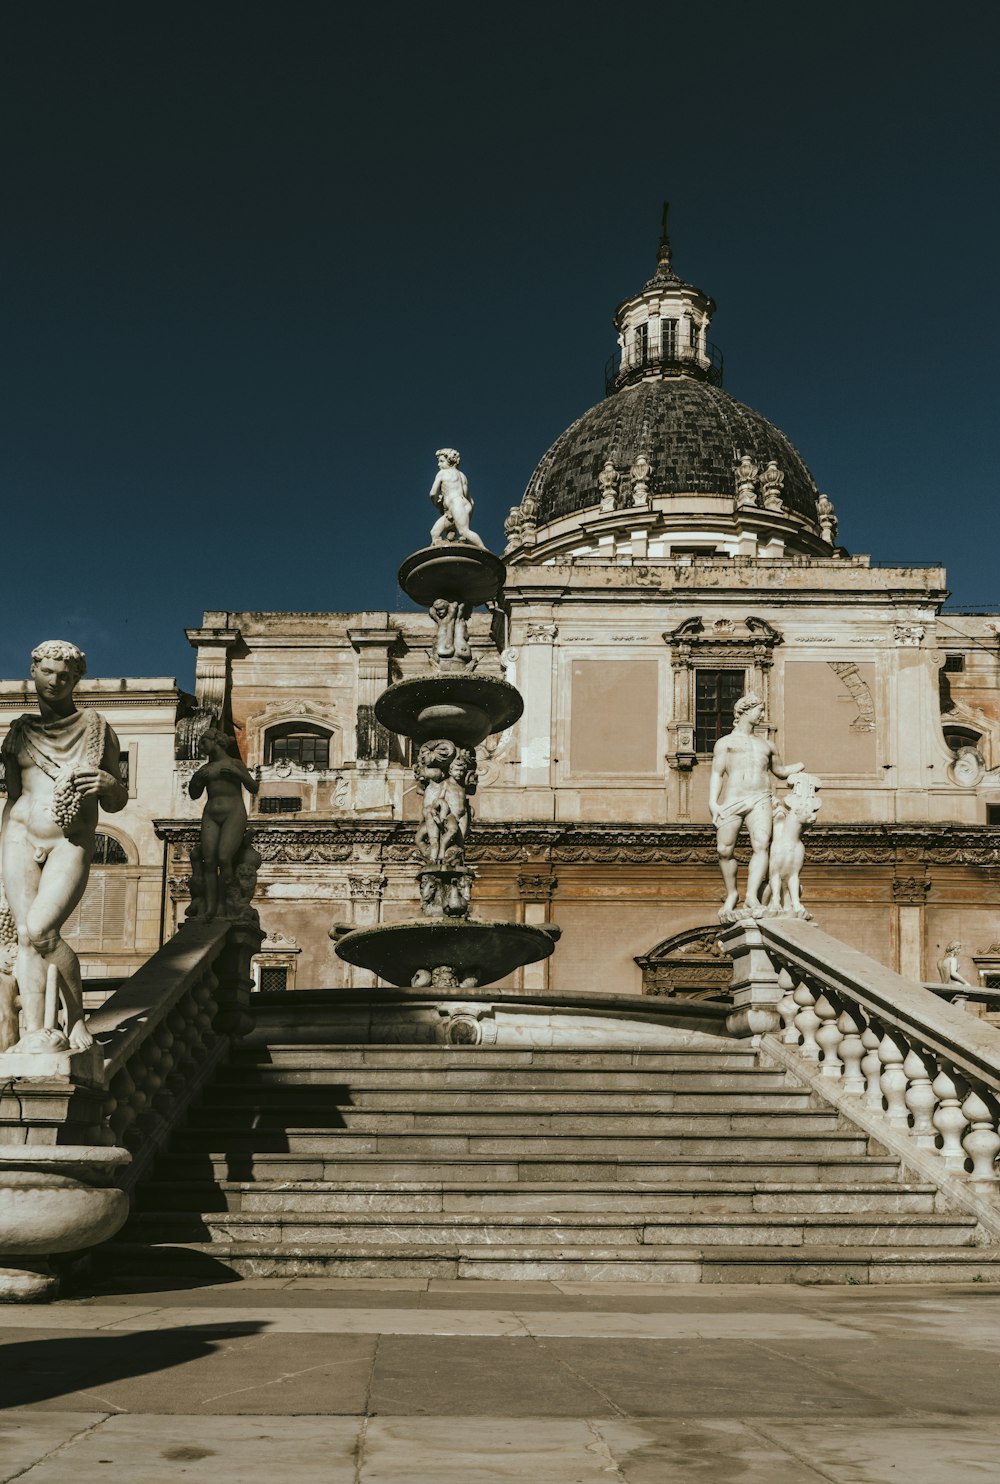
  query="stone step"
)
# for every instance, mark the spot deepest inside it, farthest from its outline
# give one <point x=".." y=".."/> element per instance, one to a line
<point x="567" y="1080"/>
<point x="222" y="1124"/>
<point x="733" y="1145"/>
<point x="655" y="1170"/>
<point x="540" y="1229"/>
<point x="482" y="1058"/>
<point x="313" y="1100"/>
<point x="307" y="1196"/>
<point x="636" y="1263"/>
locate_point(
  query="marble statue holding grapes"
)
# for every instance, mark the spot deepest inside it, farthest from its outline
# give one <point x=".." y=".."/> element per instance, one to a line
<point x="62" y="767"/>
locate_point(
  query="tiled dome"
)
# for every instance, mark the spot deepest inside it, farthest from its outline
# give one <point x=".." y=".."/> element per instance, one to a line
<point x="692" y="433"/>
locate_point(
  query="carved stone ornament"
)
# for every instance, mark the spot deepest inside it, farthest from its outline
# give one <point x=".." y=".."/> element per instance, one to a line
<point x="451" y="645"/>
<point x="280" y="943"/>
<point x="746" y="472"/>
<point x="859" y="691"/>
<point x="771" y="481"/>
<point x="446" y="776"/>
<point x="687" y="966"/>
<point x="828" y="523"/>
<point x="910" y="891"/>
<point x="607" y="482"/>
<point x="908" y="635"/>
<point x="968" y="768"/>
<point x="536" y="886"/>
<point x="639" y="474"/>
<point x="366" y="888"/>
<point x="540" y="633"/>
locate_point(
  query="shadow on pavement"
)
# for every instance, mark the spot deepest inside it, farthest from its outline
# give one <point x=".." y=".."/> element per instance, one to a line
<point x="40" y="1370"/>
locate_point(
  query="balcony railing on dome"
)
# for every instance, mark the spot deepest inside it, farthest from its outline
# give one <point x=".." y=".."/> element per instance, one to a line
<point x="641" y="359"/>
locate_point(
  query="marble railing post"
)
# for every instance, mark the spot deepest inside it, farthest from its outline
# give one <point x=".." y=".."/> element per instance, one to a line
<point x="756" y="990"/>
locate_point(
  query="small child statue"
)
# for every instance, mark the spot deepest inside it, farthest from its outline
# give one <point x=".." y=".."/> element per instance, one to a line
<point x="450" y="493"/>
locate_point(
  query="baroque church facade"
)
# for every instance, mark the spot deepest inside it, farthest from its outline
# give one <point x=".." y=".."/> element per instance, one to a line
<point x="671" y="552"/>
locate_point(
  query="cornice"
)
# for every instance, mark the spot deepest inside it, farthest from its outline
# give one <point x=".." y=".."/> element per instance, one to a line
<point x="894" y="846"/>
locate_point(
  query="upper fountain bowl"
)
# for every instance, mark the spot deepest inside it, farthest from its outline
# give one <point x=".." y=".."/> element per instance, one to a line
<point x="453" y="570"/>
<point x="465" y="709"/>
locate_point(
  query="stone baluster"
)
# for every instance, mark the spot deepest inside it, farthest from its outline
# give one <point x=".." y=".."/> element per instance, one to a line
<point x="828" y="1037"/>
<point x="787" y="1008"/>
<point x="807" y="1021"/>
<point x="871" y="1067"/>
<point x="981" y="1142"/>
<point x="948" y="1118"/>
<point x="893" y="1079"/>
<point x="920" y="1097"/>
<point x="852" y="1048"/>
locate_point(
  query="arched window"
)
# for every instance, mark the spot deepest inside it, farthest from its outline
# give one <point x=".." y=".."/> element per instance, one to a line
<point x="108" y="852"/>
<point x="298" y="743"/>
<point x="960" y="736"/>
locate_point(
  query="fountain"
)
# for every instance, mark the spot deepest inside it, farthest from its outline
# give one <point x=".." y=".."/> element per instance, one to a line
<point x="446" y="714"/>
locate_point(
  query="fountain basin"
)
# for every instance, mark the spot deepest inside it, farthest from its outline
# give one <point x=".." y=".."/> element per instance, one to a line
<point x="54" y="1199"/>
<point x="465" y="709"/>
<point x="452" y="570"/>
<point x="473" y="949"/>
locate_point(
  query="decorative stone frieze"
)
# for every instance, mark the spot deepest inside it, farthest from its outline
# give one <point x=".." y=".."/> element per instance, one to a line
<point x="366" y="888"/>
<point x="910" y="891"/>
<point x="908" y="635"/>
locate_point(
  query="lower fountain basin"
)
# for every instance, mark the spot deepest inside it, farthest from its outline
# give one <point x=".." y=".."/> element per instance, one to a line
<point x="465" y="709"/>
<point x="452" y="570"/>
<point x="476" y="951"/>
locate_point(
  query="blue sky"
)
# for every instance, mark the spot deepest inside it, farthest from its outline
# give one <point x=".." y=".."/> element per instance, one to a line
<point x="261" y="260"/>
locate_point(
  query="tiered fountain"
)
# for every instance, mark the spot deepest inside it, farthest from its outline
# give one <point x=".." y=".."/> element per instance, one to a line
<point x="447" y="714"/>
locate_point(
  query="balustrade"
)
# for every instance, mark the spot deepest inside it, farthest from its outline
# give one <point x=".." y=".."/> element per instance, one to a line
<point x="928" y="1071"/>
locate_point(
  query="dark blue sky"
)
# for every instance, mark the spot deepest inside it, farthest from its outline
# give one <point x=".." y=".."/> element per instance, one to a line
<point x="260" y="260"/>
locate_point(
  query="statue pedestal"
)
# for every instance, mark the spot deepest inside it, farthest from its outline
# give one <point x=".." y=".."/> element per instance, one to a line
<point x="755" y="982"/>
<point x="85" y="1068"/>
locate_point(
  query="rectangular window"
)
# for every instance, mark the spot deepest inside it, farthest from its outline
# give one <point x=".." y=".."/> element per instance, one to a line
<point x="273" y="978"/>
<point x="693" y="332"/>
<point x="304" y="749"/>
<point x="716" y="693"/>
<point x="641" y="343"/>
<point x="993" y="814"/>
<point x="668" y="339"/>
<point x="279" y="804"/>
<point x="954" y="664"/>
<point x="123" y="766"/>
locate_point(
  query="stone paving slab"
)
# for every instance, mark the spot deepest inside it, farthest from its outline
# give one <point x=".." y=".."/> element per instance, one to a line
<point x="73" y="1446"/>
<point x="557" y="1383"/>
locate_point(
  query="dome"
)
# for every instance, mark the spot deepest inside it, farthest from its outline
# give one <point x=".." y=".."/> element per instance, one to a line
<point x="669" y="465"/>
<point x="692" y="433"/>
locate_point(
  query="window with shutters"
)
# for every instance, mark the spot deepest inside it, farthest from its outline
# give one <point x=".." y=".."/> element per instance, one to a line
<point x="716" y="694"/>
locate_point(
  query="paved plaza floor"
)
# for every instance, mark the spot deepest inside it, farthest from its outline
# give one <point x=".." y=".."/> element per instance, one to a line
<point x="432" y="1382"/>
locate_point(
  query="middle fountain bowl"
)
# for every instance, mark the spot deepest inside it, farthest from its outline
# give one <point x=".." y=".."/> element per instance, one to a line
<point x="462" y="708"/>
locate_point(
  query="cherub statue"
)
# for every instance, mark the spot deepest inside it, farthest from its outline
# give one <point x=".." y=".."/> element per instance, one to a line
<point x="446" y="775"/>
<point x="452" y="620"/>
<point x="450" y="493"/>
<point x="223" y="822"/>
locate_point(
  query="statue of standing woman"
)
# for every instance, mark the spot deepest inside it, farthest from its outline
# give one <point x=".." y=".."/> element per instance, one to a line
<point x="224" y="819"/>
<point x="62" y="766"/>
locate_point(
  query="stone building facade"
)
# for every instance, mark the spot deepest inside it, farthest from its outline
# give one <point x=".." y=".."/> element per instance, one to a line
<point x="671" y="550"/>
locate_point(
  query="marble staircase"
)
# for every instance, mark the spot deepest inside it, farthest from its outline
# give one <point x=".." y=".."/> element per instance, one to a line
<point x="699" y="1163"/>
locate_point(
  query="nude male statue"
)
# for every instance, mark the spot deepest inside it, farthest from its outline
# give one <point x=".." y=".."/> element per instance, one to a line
<point x="742" y="763"/>
<point x="61" y="765"/>
<point x="450" y="493"/>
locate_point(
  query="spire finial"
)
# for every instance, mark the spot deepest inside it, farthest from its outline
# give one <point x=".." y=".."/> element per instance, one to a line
<point x="663" y="252"/>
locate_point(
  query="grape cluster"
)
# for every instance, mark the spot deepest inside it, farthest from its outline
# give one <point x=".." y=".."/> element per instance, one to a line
<point x="65" y="801"/>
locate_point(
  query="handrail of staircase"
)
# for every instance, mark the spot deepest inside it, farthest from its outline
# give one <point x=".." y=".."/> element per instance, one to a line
<point x="927" y="1070"/>
<point x="165" y="1031"/>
